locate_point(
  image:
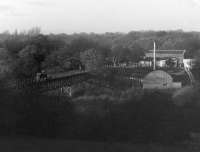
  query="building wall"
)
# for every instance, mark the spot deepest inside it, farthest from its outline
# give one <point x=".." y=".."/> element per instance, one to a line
<point x="145" y="63"/>
<point x="180" y="57"/>
<point x="189" y="63"/>
<point x="161" y="63"/>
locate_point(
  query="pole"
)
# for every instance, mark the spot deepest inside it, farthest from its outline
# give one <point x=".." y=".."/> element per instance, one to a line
<point x="154" y="56"/>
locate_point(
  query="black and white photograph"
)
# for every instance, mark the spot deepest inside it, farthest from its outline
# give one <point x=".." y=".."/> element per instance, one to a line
<point x="99" y="75"/>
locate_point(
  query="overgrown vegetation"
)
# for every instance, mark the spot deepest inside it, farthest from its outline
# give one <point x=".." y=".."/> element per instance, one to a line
<point x="94" y="112"/>
<point x="133" y="115"/>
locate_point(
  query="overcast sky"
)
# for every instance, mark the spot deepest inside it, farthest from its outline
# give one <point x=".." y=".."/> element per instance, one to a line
<point x="99" y="16"/>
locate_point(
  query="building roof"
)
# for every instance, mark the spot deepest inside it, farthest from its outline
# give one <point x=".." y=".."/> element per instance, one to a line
<point x="167" y="51"/>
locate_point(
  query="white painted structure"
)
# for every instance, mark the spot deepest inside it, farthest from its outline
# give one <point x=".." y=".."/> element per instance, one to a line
<point x="160" y="80"/>
<point x="145" y="63"/>
<point x="161" y="63"/>
<point x="189" y="63"/>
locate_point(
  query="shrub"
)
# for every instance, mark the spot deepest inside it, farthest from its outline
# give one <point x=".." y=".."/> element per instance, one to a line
<point x="151" y="118"/>
<point x="43" y="116"/>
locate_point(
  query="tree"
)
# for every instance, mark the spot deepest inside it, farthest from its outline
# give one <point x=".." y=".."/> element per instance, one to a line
<point x="54" y="61"/>
<point x="125" y="54"/>
<point x="62" y="60"/>
<point x="25" y="67"/>
<point x="80" y="45"/>
<point x="34" y="31"/>
<point x="32" y="52"/>
<point x="91" y="59"/>
<point x="43" y="47"/>
<point x="26" y="64"/>
<point x="14" y="45"/>
<point x="37" y="49"/>
<point x="116" y="54"/>
<point x="137" y="52"/>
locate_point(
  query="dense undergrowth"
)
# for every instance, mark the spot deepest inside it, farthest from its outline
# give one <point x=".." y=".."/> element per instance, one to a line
<point x="99" y="114"/>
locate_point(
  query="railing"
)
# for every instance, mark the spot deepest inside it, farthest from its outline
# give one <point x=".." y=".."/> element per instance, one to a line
<point x="66" y="79"/>
<point x="66" y="74"/>
<point x="52" y="81"/>
<point x="191" y="77"/>
<point x="136" y="66"/>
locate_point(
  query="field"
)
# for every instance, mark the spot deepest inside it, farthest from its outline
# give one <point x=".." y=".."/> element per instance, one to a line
<point x="48" y="145"/>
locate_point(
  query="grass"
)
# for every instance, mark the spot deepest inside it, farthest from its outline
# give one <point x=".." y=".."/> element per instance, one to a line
<point x="52" y="145"/>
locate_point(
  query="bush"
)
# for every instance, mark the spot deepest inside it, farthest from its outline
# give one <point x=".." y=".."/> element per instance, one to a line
<point x="43" y="116"/>
<point x="151" y="118"/>
<point x="34" y="114"/>
<point x="132" y="116"/>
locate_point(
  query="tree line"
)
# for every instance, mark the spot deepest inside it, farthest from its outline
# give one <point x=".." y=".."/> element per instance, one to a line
<point x="31" y="51"/>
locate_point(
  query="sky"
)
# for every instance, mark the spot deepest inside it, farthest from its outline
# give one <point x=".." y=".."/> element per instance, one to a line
<point x="99" y="16"/>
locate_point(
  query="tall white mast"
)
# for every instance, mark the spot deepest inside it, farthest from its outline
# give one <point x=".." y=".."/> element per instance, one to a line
<point x="154" y="56"/>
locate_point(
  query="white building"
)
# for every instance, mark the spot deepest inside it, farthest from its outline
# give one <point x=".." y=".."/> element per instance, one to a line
<point x="145" y="63"/>
<point x="161" y="63"/>
<point x="189" y="63"/>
